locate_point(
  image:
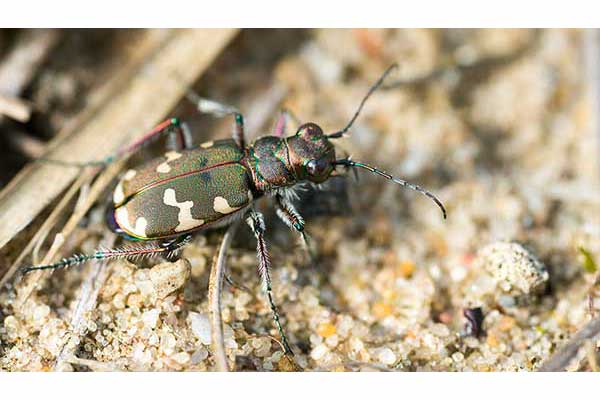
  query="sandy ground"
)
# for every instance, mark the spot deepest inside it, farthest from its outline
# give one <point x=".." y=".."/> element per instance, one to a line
<point x="499" y="124"/>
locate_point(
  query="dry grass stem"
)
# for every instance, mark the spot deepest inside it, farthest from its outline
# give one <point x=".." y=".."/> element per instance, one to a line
<point x="215" y="284"/>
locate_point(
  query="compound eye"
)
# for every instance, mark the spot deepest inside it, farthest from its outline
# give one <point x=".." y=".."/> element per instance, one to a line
<point x="316" y="167"/>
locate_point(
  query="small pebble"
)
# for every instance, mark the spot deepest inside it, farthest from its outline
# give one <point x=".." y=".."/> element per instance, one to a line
<point x="119" y="301"/>
<point x="150" y="318"/>
<point x="386" y="356"/>
<point x="458" y="357"/>
<point x="11" y="323"/>
<point x="199" y="355"/>
<point x="440" y="330"/>
<point x="41" y="312"/>
<point x="514" y="267"/>
<point x="356" y="345"/>
<point x="169" y="277"/>
<point x="507" y="301"/>
<point x="382" y="310"/>
<point x="229" y="338"/>
<point x="332" y="341"/>
<point x="268" y="366"/>
<point x="153" y="339"/>
<point x="181" y="358"/>
<point x="168" y="342"/>
<point x="318" y="352"/>
<point x="200" y="325"/>
<point x="286" y="364"/>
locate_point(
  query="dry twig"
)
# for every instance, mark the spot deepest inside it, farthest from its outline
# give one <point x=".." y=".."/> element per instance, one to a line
<point x="95" y="278"/>
<point x="15" y="108"/>
<point x="124" y="108"/>
<point x="21" y="64"/>
<point x="563" y="358"/>
<point x="215" y="284"/>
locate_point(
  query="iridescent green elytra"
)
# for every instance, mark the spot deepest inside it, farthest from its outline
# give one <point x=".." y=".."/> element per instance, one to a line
<point x="182" y="191"/>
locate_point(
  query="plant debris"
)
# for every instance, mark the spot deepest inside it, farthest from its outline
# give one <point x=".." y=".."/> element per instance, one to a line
<point x="508" y="145"/>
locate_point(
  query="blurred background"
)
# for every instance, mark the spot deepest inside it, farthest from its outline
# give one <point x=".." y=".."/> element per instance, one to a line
<point x="501" y="124"/>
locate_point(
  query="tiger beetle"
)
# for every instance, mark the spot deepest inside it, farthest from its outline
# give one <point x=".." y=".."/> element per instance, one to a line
<point x="190" y="189"/>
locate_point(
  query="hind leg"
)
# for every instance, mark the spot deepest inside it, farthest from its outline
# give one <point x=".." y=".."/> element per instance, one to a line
<point x="179" y="137"/>
<point x="168" y="248"/>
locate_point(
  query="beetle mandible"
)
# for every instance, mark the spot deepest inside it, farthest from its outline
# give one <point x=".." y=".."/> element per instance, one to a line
<point x="191" y="189"/>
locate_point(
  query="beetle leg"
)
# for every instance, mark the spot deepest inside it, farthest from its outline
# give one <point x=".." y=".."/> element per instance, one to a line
<point x="217" y="109"/>
<point x="238" y="131"/>
<point x="292" y="218"/>
<point x="179" y="138"/>
<point x="284" y="117"/>
<point x="128" y="252"/>
<point x="256" y="222"/>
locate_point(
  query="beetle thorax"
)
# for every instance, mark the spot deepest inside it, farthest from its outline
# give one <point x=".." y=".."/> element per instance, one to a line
<point x="268" y="159"/>
<point x="282" y="162"/>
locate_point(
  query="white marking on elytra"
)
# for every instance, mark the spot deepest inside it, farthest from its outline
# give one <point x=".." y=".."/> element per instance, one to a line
<point x="140" y="226"/>
<point x="122" y="219"/>
<point x="129" y="174"/>
<point x="250" y="196"/>
<point x="186" y="221"/>
<point x="119" y="194"/>
<point x="165" y="167"/>
<point x="207" y="145"/>
<point x="221" y="205"/>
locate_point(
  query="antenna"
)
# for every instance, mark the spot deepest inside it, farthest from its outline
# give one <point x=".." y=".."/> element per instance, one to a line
<point x="350" y="163"/>
<point x="373" y="88"/>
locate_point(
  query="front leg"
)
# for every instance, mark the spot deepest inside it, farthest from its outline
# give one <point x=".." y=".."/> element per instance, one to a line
<point x="292" y="218"/>
<point x="256" y="222"/>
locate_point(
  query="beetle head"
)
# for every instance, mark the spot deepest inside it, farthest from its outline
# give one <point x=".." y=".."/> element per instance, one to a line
<point x="311" y="153"/>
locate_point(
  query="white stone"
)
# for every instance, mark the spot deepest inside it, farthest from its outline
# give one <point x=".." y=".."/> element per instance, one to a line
<point x="169" y="277"/>
<point x="228" y="337"/>
<point x="41" y="312"/>
<point x="168" y="342"/>
<point x="332" y="341"/>
<point x="181" y="358"/>
<point x="200" y="325"/>
<point x="199" y="355"/>
<point x="386" y="356"/>
<point x="319" y="352"/>
<point x="150" y="318"/>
